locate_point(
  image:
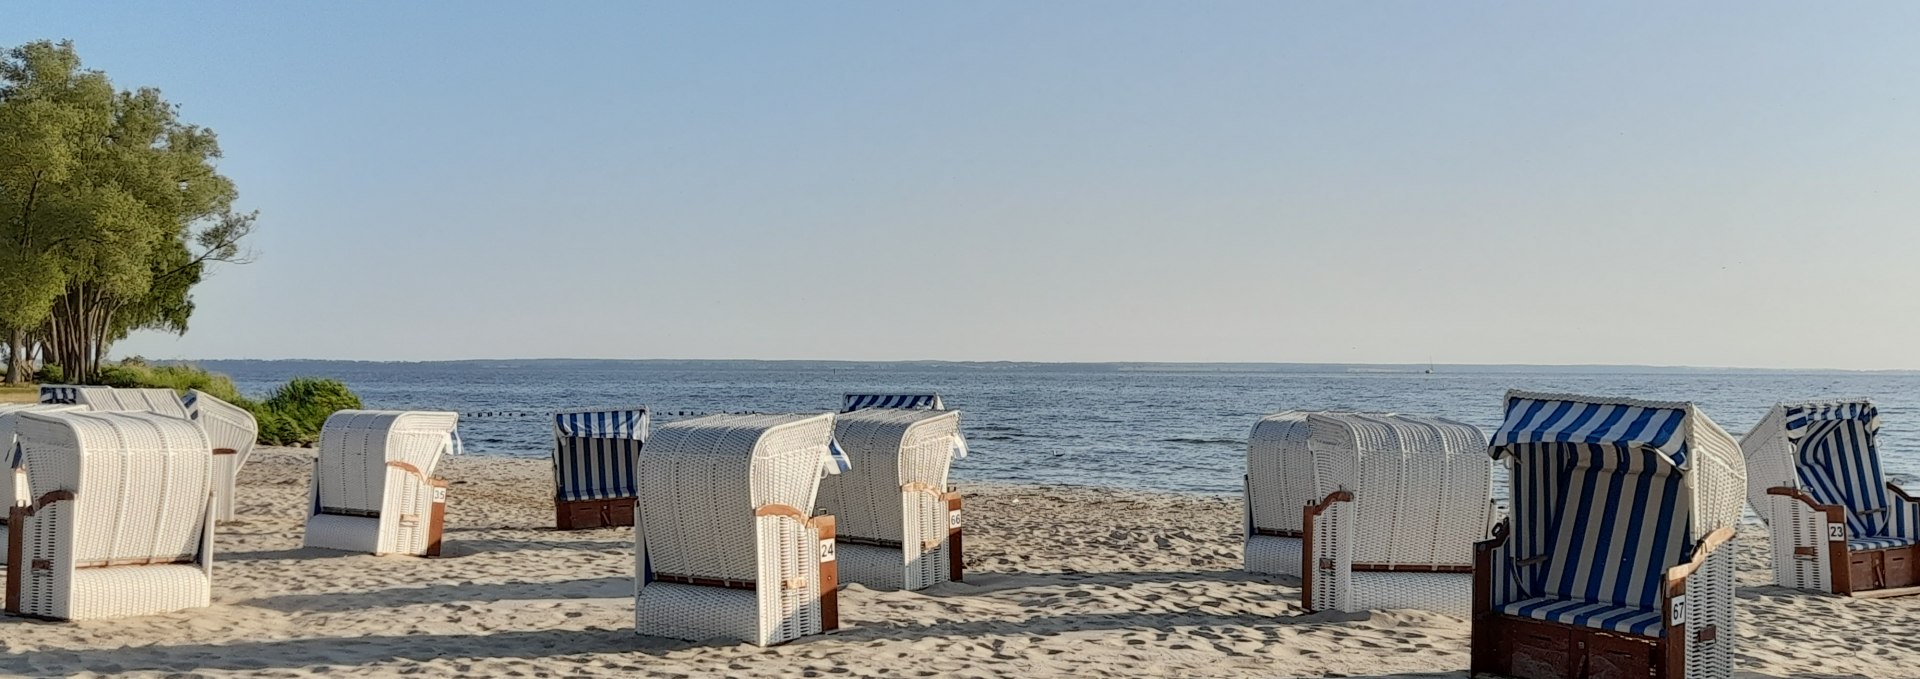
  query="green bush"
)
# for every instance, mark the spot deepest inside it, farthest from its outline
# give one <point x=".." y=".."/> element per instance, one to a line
<point x="51" y="373"/>
<point x="299" y="407"/>
<point x="291" y="416"/>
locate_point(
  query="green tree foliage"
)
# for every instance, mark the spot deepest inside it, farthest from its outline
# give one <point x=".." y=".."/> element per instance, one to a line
<point x="110" y="211"/>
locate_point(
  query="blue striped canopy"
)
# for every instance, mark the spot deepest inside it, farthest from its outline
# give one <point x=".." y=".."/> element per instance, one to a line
<point x="59" y="393"/>
<point x="1600" y="508"/>
<point x="1837" y="460"/>
<point x="594" y="453"/>
<point x="1537" y="418"/>
<point x="920" y="401"/>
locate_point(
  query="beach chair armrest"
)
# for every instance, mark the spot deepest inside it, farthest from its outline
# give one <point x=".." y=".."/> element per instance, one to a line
<point x="1324" y="561"/>
<point x="1807" y="499"/>
<point x="1701" y="550"/>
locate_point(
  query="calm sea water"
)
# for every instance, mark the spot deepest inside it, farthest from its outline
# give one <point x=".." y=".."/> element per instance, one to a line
<point x="1171" y="428"/>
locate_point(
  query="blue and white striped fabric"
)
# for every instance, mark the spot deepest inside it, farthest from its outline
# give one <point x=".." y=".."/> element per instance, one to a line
<point x="59" y="393"/>
<point x="1541" y="420"/>
<point x="191" y="401"/>
<point x="923" y="401"/>
<point x="838" y="457"/>
<point x="1600" y="510"/>
<point x="1838" y="462"/>
<point x="594" y="453"/>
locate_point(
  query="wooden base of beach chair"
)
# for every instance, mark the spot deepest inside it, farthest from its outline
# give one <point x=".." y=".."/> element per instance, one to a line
<point x="1883" y="572"/>
<point x="1522" y="648"/>
<point x="437" y="519"/>
<point x="956" y="563"/>
<point x="584" y="514"/>
<point x="829" y="574"/>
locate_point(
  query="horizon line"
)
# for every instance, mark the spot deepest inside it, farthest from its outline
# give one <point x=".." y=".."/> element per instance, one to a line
<point x="1433" y="365"/>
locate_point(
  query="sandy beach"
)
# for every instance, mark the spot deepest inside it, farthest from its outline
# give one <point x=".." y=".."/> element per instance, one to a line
<point x="1062" y="581"/>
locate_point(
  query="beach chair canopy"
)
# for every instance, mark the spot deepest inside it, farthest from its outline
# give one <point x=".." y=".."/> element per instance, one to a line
<point x="703" y="482"/>
<point x="1421" y="486"/>
<point x="109" y="399"/>
<point x="357" y="447"/>
<point x="59" y="393"/>
<point x="594" y="452"/>
<point x="890" y="451"/>
<point x="14" y="488"/>
<point x="1607" y="495"/>
<point x="914" y="401"/>
<point x="1831" y="451"/>
<point x="140" y="483"/>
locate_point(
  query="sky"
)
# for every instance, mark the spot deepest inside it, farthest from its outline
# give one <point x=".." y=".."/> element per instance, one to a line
<point x="1714" y="184"/>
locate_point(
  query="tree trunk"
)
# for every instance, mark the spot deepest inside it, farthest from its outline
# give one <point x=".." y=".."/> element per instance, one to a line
<point x="16" y="356"/>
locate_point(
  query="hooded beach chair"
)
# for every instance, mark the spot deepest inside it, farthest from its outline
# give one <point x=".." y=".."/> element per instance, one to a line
<point x="726" y="544"/>
<point x="1838" y="526"/>
<point x="121" y="523"/>
<point x="1371" y="511"/>
<point x="1613" y="561"/>
<point x="13" y="488"/>
<point x="593" y="458"/>
<point x="374" y="488"/>
<point x="897" y="525"/>
<point x="231" y="430"/>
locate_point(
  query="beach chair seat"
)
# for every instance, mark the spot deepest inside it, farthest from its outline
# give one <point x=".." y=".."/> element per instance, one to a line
<point x="374" y="488"/>
<point x="1624" y="618"/>
<point x="594" y="453"/>
<point x="121" y="524"/>
<point x="1612" y="561"/>
<point x="897" y="525"/>
<point x="1838" y="525"/>
<point x="726" y="543"/>
<point x="1392" y="503"/>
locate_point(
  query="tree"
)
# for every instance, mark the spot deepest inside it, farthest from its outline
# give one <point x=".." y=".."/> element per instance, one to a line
<point x="110" y="210"/>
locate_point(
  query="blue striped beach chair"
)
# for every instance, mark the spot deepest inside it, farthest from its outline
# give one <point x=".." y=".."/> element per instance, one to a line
<point x="1613" y="560"/>
<point x="594" y="452"/>
<point x="906" y="401"/>
<point x="65" y="394"/>
<point x="1838" y="525"/>
<point x="1371" y="511"/>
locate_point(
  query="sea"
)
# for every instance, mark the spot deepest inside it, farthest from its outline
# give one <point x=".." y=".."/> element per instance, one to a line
<point x="1162" y="427"/>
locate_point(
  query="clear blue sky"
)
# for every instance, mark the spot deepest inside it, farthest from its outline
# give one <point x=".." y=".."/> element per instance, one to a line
<point x="1714" y="184"/>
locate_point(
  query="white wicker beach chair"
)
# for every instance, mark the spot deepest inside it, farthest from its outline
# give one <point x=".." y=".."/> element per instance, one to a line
<point x="593" y="458"/>
<point x="897" y="525"/>
<point x="1814" y="477"/>
<point x="1372" y="511"/>
<point x="922" y="400"/>
<point x="13" y="489"/>
<point x="725" y="544"/>
<point x="1614" y="561"/>
<point x="374" y="488"/>
<point x="122" y="523"/>
<point x="109" y="399"/>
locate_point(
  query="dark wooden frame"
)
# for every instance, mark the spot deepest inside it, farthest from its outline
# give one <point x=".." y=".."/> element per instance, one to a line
<point x="1505" y="645"/>
<point x="956" y="560"/>
<point x="586" y="514"/>
<point x="1890" y="571"/>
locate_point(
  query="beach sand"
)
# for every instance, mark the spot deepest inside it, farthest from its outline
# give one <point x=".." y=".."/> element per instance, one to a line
<point x="1062" y="581"/>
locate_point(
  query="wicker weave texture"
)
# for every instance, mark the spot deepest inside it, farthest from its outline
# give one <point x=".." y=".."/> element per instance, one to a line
<point x="109" y="399"/>
<point x="141" y="489"/>
<point x="704" y="484"/>
<point x="1711" y="594"/>
<point x="230" y="427"/>
<point x="14" y="489"/>
<point x="1273" y="555"/>
<point x="377" y="464"/>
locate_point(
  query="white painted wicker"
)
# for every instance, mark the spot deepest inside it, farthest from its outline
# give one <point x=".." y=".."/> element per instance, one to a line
<point x="13" y="488"/>
<point x="373" y="483"/>
<point x="232" y="431"/>
<point x="724" y="544"/>
<point x="1421" y="496"/>
<point x="890" y="509"/>
<point x="108" y="399"/>
<point x="122" y="524"/>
